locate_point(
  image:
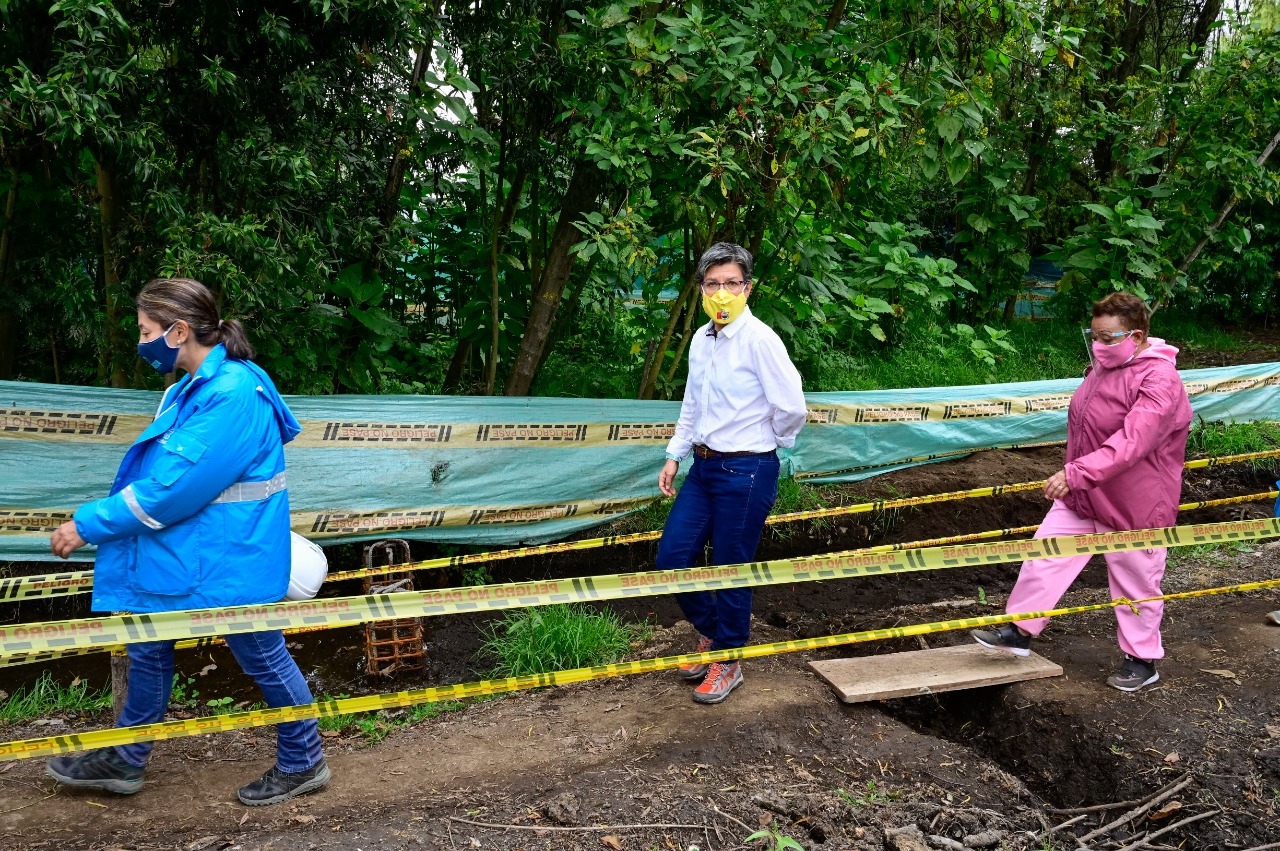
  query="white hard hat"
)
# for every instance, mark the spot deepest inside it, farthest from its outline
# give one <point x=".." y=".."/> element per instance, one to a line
<point x="307" y="568"/>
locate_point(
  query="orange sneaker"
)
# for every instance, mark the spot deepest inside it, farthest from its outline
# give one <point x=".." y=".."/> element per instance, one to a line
<point x="722" y="678"/>
<point x="698" y="671"/>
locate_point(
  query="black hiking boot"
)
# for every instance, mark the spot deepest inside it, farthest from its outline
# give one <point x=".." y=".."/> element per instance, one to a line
<point x="1133" y="674"/>
<point x="1006" y="637"/>
<point x="276" y="786"/>
<point x="97" y="769"/>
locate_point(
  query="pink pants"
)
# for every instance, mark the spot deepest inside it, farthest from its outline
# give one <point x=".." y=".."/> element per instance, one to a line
<point x="1134" y="574"/>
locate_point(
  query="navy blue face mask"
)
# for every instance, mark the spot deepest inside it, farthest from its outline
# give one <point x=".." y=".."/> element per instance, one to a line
<point x="159" y="353"/>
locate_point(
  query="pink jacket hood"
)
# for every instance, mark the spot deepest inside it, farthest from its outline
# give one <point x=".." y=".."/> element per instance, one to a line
<point x="1127" y="441"/>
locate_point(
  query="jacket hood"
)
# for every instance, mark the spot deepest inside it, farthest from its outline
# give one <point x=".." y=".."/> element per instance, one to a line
<point x="289" y="425"/>
<point x="1160" y="349"/>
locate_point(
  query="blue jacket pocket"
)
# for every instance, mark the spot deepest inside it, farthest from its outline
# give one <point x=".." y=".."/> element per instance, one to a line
<point x="169" y="562"/>
<point x="181" y="452"/>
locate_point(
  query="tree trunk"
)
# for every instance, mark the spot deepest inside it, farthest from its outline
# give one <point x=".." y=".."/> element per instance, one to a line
<point x="650" y="379"/>
<point x="6" y="257"/>
<point x="1199" y="37"/>
<point x="116" y="300"/>
<point x="654" y="368"/>
<point x="686" y="335"/>
<point x="399" y="169"/>
<point x="453" y="378"/>
<point x="578" y="199"/>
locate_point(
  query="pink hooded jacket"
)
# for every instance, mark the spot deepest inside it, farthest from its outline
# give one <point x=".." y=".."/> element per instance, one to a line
<point x="1127" y="441"/>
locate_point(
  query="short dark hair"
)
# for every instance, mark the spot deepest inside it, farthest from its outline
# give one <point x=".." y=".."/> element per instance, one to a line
<point x="166" y="300"/>
<point x="1128" y="308"/>
<point x="722" y="253"/>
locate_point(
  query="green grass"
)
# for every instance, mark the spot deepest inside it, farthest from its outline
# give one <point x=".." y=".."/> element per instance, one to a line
<point x="1188" y="331"/>
<point x="373" y="727"/>
<point x="46" y="696"/>
<point x="555" y="638"/>
<point x="1214" y="555"/>
<point x="926" y="355"/>
<point x="1216" y="438"/>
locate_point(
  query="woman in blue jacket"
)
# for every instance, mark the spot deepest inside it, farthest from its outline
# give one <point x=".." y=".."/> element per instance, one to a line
<point x="198" y="517"/>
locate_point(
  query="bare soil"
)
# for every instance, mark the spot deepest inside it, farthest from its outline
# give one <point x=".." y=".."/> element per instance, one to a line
<point x="632" y="763"/>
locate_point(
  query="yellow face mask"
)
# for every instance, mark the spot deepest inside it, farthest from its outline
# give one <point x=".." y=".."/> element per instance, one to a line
<point x="723" y="307"/>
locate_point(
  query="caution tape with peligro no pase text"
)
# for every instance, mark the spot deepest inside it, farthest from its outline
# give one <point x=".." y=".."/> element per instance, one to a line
<point x="202" y="623"/>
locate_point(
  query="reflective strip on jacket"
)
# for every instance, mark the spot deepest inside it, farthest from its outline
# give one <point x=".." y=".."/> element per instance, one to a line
<point x="1127" y="441"/>
<point x="163" y="543"/>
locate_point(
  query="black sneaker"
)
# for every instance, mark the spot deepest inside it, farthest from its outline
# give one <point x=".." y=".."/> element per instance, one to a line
<point x="276" y="785"/>
<point x="1006" y="637"/>
<point x="98" y="769"/>
<point x="1133" y="674"/>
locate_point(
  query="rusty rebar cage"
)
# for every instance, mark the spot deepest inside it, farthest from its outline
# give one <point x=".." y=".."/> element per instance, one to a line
<point x="395" y="646"/>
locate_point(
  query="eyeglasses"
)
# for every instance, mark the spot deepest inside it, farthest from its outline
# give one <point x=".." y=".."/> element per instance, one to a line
<point x="1106" y="338"/>
<point x="735" y="287"/>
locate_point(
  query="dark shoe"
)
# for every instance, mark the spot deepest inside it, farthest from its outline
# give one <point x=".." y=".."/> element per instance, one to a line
<point x="1006" y="637"/>
<point x="722" y="678"/>
<point x="1133" y="674"/>
<point x="276" y="785"/>
<point x="98" y="769"/>
<point x="699" y="670"/>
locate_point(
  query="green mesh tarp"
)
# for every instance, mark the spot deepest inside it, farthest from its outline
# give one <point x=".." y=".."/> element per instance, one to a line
<point x="503" y="471"/>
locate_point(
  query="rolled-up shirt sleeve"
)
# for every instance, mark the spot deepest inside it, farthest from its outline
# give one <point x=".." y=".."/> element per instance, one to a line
<point x="780" y="381"/>
<point x="682" y="440"/>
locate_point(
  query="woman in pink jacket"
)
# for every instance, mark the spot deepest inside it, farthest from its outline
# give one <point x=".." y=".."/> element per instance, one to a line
<point x="1126" y="443"/>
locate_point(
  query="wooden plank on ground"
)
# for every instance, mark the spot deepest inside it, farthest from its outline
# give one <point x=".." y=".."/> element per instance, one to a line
<point x="921" y="672"/>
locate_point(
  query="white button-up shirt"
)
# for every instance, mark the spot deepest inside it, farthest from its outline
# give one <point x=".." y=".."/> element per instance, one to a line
<point x="743" y="392"/>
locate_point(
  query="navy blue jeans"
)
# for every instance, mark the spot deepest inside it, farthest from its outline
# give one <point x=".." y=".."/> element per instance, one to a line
<point x="262" y="655"/>
<point x="725" y="501"/>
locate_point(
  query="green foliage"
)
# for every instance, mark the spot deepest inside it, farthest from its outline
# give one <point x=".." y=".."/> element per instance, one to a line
<point x="555" y="638"/>
<point x="774" y="839"/>
<point x="46" y="696"/>
<point x="477" y="574"/>
<point x="408" y="198"/>
<point x="183" y="691"/>
<point x="870" y="796"/>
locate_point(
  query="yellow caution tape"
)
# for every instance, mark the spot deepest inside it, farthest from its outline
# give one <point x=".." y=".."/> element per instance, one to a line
<point x="348" y="611"/>
<point x="79" y="582"/>
<point x="51" y="745"/>
<point x="49" y="655"/>
<point x="120" y="428"/>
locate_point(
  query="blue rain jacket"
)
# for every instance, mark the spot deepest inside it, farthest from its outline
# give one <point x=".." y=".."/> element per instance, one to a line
<point x="163" y="543"/>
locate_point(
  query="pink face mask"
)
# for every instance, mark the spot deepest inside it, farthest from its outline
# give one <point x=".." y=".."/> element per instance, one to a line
<point x="1110" y="357"/>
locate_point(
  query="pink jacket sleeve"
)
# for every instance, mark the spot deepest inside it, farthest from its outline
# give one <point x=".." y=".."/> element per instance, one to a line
<point x="1146" y="425"/>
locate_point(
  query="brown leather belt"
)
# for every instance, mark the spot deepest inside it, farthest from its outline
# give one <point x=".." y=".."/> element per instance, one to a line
<point x="707" y="452"/>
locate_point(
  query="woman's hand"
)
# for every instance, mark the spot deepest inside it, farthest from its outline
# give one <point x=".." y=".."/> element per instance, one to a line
<point x="667" y="477"/>
<point x="1056" y="486"/>
<point x="66" y="540"/>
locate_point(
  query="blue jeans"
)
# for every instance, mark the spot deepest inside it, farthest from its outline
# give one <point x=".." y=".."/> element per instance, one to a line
<point x="726" y="501"/>
<point x="262" y="655"/>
